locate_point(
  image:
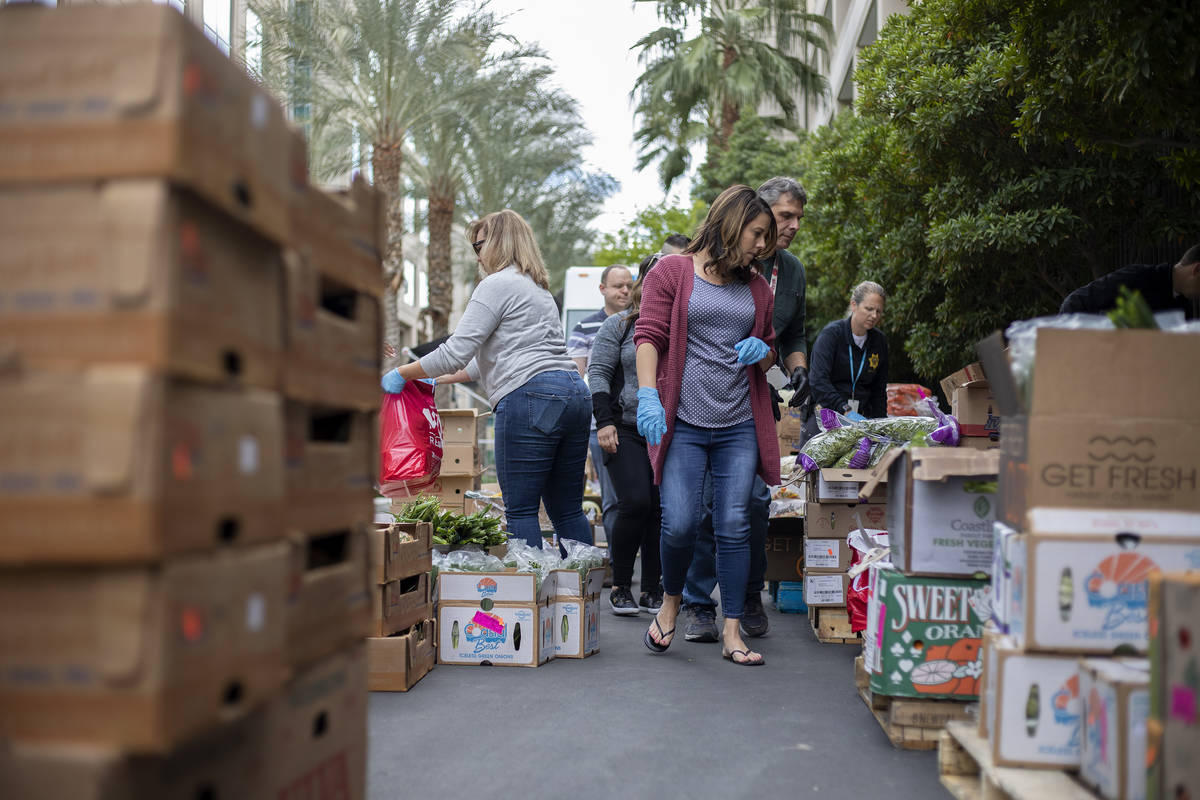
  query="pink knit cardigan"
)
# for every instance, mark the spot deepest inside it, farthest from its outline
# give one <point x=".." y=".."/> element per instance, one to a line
<point x="662" y="322"/>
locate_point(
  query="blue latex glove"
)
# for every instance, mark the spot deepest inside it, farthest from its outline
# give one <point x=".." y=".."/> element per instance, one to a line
<point x="752" y="350"/>
<point x="651" y="418"/>
<point x="392" y="383"/>
<point x="854" y="416"/>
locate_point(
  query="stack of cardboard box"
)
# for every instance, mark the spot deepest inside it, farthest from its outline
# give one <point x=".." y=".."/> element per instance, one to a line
<point x="183" y="562"/>
<point x="401" y="650"/>
<point x="973" y="405"/>
<point x="928" y="606"/>
<point x="461" y="467"/>
<point x="1099" y="489"/>
<point x="1173" y="730"/>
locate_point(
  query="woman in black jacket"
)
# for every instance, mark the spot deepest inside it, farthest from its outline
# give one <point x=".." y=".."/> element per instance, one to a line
<point x="850" y="358"/>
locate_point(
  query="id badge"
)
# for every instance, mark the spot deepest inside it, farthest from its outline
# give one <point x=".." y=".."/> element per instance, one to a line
<point x="853" y="406"/>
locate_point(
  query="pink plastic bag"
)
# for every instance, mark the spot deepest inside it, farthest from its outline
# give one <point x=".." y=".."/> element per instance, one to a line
<point x="410" y="441"/>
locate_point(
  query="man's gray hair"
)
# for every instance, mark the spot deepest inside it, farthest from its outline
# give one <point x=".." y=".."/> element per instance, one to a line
<point x="778" y="186"/>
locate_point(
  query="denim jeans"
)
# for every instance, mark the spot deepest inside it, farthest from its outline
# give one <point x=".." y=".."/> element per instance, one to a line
<point x="608" y="495"/>
<point x="730" y="456"/>
<point x="541" y="449"/>
<point x="702" y="575"/>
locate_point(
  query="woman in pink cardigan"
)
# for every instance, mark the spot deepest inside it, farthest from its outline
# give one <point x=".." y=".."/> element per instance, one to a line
<point x="704" y="343"/>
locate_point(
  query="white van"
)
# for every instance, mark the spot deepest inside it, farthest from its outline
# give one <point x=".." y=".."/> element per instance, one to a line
<point x="581" y="296"/>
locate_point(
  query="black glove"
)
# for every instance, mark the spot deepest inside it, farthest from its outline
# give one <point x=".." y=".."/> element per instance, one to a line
<point x="801" y="391"/>
<point x="775" y="401"/>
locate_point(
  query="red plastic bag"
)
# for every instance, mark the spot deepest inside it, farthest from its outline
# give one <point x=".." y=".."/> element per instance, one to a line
<point x="410" y="441"/>
<point x="856" y="602"/>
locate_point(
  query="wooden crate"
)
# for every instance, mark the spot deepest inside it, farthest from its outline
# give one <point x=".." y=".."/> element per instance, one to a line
<point x="832" y="626"/>
<point x="910" y="724"/>
<point x="966" y="770"/>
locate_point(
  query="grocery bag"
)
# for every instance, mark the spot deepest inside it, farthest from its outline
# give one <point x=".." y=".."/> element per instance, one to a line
<point x="410" y="441"/>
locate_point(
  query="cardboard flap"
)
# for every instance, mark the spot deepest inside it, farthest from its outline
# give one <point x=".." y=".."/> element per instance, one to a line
<point x="939" y="463"/>
<point x="117" y="398"/>
<point x="996" y="365"/>
<point x="125" y="599"/>
<point x="132" y="254"/>
<point x="879" y="472"/>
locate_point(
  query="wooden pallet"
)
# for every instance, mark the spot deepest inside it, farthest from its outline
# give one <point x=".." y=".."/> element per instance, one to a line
<point x="910" y="724"/>
<point x="832" y="626"/>
<point x="966" y="770"/>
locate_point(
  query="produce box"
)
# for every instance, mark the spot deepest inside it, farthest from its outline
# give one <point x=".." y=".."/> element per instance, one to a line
<point x="832" y="485"/>
<point x="400" y="550"/>
<point x="941" y="504"/>
<point x="1008" y="557"/>
<point x="141" y="658"/>
<point x="460" y="460"/>
<point x="398" y="605"/>
<point x="1116" y="706"/>
<point x="975" y="409"/>
<point x="486" y="588"/>
<point x="823" y="589"/>
<point x="837" y="520"/>
<point x="1084" y="588"/>
<point x="970" y="375"/>
<point x="145" y="469"/>
<point x="1174" y="727"/>
<point x="826" y="554"/>
<point x="462" y="425"/>
<point x="334" y="338"/>
<point x="785" y="549"/>
<point x="342" y="234"/>
<point x="1034" y="708"/>
<point x="329" y="593"/>
<point x="149" y="275"/>
<point x="331" y="456"/>
<point x="576" y="625"/>
<point x="451" y="491"/>
<point x="396" y="663"/>
<point x="520" y="635"/>
<point x="570" y="584"/>
<point x="927" y="635"/>
<point x="138" y="90"/>
<point x="1092" y="427"/>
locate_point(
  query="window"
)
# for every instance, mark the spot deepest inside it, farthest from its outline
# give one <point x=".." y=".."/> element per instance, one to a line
<point x="254" y="41"/>
<point x="218" y="22"/>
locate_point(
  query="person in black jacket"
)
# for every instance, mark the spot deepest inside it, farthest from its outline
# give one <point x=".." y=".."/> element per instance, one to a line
<point x="850" y="358"/>
<point x="1166" y="287"/>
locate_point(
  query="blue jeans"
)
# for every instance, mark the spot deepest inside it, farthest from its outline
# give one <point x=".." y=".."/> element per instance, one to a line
<point x="730" y="457"/>
<point x="608" y="495"/>
<point x="702" y="575"/>
<point x="541" y="449"/>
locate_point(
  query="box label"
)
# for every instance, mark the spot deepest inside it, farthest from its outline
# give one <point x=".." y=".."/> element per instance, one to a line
<point x="823" y="553"/>
<point x="824" y="590"/>
<point x="510" y="635"/>
<point x="951" y="527"/>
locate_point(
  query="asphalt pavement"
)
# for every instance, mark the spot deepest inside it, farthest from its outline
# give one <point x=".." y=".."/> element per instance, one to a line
<point x="626" y="723"/>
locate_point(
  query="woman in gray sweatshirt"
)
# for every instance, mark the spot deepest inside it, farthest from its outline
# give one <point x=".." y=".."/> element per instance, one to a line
<point x="511" y="340"/>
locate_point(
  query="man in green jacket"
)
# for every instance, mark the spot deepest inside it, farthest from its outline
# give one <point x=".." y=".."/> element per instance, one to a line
<point x="785" y="274"/>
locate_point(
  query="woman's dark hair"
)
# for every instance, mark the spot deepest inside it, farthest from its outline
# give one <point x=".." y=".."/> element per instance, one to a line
<point x="635" y="296"/>
<point x="720" y="235"/>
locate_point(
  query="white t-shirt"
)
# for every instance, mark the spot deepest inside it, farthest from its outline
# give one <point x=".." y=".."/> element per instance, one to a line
<point x="859" y="341"/>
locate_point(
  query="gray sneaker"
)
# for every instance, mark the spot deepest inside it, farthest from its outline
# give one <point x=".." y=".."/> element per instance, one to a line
<point x="700" y="624"/>
<point x="754" y="616"/>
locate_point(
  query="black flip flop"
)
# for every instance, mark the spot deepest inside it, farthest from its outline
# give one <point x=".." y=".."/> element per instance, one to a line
<point x="745" y="656"/>
<point x="655" y="646"/>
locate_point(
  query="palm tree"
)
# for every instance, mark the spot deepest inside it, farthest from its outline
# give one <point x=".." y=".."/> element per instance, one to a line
<point x="365" y="68"/>
<point x="744" y="55"/>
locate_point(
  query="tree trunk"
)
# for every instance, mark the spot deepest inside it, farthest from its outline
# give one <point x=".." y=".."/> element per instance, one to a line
<point x="440" y="270"/>
<point x="729" y="112"/>
<point x="387" y="158"/>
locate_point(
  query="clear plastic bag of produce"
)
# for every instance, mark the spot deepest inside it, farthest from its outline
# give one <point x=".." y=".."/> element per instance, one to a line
<point x="860" y="445"/>
<point x="787" y="508"/>
<point x="1022" y="341"/>
<point x="581" y="557"/>
<point x="464" y="561"/>
<point x="540" y="561"/>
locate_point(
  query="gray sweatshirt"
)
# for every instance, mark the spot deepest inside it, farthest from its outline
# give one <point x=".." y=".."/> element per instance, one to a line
<point x="509" y="333"/>
<point x="602" y="365"/>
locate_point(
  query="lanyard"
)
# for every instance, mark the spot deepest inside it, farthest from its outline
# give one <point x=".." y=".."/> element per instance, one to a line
<point x="774" y="262"/>
<point x="854" y="376"/>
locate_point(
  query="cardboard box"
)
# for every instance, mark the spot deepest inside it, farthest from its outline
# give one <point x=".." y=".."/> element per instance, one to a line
<point x="146" y="468"/>
<point x="315" y="732"/>
<point x="334" y="339"/>
<point x="1008" y="557"/>
<point x="987" y="687"/>
<point x="96" y="92"/>
<point x="331" y="458"/>
<point x="1116" y="706"/>
<point x="785" y="549"/>
<point x="970" y="375"/>
<point x="825" y="589"/>
<point x="927" y="636"/>
<point x="843" y="486"/>
<point x="837" y="520"/>
<point x="330" y="593"/>
<point x="460" y="460"/>
<point x="1174" y="727"/>
<point x="400" y="550"/>
<point x="974" y="407"/>
<point x="483" y="588"/>
<point x="343" y="234"/>
<point x="985" y="443"/>
<point x="575" y="625"/>
<point x="1085" y="591"/>
<point x="822" y="554"/>
<point x="1073" y="441"/>
<point x="462" y="425"/>
<point x="568" y="583"/>
<point x="451" y="490"/>
<point x="399" y="605"/>
<point x="940" y="509"/>
<point x="396" y="663"/>
<point x="1034" y="708"/>
<point x="520" y="635"/>
<point x="142" y="658"/>
<point x="146" y="274"/>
